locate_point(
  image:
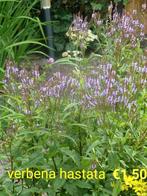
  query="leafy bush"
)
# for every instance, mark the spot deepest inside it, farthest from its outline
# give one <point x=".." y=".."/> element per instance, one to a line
<point x="92" y="119"/>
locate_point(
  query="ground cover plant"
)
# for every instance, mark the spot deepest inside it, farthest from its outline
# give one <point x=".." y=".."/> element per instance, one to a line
<point x="91" y="119"/>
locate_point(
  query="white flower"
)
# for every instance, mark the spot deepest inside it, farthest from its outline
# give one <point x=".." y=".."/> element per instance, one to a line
<point x="144" y="6"/>
<point x="65" y="54"/>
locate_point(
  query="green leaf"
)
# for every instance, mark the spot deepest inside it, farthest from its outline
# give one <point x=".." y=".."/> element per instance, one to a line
<point x="92" y="146"/>
<point x="69" y="138"/>
<point x="72" y="154"/>
<point x="83" y="184"/>
<point x="97" y="6"/>
<point x="70" y="106"/>
<point x="58" y="183"/>
<point x="142" y="160"/>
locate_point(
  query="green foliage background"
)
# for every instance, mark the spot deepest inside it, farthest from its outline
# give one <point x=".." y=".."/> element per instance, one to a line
<point x="63" y="11"/>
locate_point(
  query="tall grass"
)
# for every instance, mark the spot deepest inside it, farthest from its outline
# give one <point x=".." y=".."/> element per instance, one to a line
<point x="19" y="31"/>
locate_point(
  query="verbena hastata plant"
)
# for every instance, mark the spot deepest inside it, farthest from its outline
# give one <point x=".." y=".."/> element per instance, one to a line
<point x="124" y="36"/>
<point x="112" y="88"/>
<point x="71" y="122"/>
<point x="93" y="118"/>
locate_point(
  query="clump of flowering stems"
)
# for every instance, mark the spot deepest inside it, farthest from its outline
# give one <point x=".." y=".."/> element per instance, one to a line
<point x="101" y="88"/>
<point x="125" y="30"/>
<point x="36" y="90"/>
<point x="96" y="19"/>
<point x="80" y="33"/>
<point x="104" y="88"/>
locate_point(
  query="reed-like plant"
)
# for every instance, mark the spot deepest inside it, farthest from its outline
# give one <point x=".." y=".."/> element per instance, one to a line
<point x="20" y="33"/>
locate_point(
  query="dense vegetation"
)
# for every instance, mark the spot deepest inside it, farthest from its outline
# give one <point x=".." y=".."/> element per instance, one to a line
<point x="91" y="118"/>
<point x="63" y="11"/>
<point x="19" y="31"/>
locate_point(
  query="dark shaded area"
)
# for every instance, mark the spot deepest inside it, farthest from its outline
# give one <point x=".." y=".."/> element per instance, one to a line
<point x="46" y="16"/>
<point x="62" y="12"/>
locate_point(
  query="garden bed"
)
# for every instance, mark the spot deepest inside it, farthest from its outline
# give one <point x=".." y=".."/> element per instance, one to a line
<point x="76" y="126"/>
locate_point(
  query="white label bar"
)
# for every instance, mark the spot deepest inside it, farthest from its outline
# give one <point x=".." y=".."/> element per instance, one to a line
<point x="45" y="4"/>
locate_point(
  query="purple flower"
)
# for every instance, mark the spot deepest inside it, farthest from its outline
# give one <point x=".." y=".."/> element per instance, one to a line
<point x="126" y="30"/>
<point x="51" y="60"/>
<point x="36" y="73"/>
<point x="79" y="24"/>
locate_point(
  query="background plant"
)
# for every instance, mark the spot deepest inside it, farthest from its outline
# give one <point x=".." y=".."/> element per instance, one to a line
<point x="19" y="31"/>
<point x="63" y="12"/>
